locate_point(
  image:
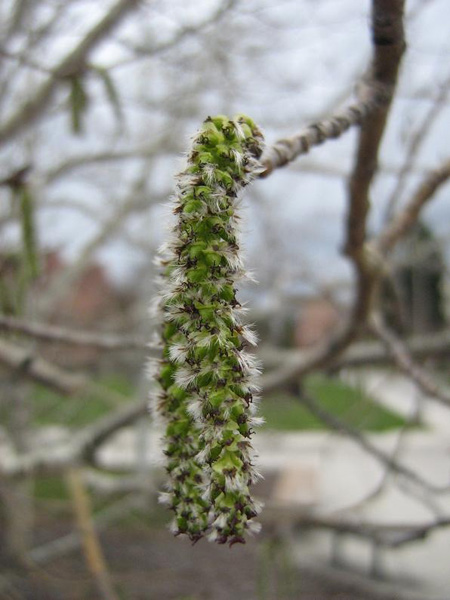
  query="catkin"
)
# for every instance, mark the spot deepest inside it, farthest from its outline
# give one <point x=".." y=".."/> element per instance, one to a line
<point x="207" y="379"/>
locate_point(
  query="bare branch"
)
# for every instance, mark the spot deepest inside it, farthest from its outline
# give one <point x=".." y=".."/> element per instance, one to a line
<point x="403" y="222"/>
<point x="365" y="353"/>
<point x="92" y="549"/>
<point x="393" y="535"/>
<point x="404" y="360"/>
<point x="414" y="146"/>
<point x="135" y="200"/>
<point x="93" y="436"/>
<point x="24" y="363"/>
<point x="400" y="470"/>
<point x="52" y="333"/>
<point x="389" y="45"/>
<point x="143" y="51"/>
<point x="80" y="448"/>
<point x="70" y="64"/>
<point x="286" y="150"/>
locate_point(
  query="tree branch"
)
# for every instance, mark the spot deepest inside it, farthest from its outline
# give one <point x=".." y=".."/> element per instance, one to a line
<point x="403" y="222"/>
<point x="338" y="425"/>
<point x="389" y="45"/>
<point x="404" y="360"/>
<point x="93" y="553"/>
<point x="52" y="333"/>
<point x="24" y="363"/>
<point x="393" y="535"/>
<point x="286" y="150"/>
<point x="70" y="64"/>
<point x="414" y="146"/>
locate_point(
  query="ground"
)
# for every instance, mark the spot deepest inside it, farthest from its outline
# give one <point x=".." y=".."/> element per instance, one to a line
<point x="147" y="563"/>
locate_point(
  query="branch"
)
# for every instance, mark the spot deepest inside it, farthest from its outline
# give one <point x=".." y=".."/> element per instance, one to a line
<point x="70" y="64"/>
<point x="80" y="447"/>
<point x="24" y="363"/>
<point x="414" y="146"/>
<point x="52" y="333"/>
<point x="136" y="199"/>
<point x="389" y="45"/>
<point x="70" y="542"/>
<point x="338" y="425"/>
<point x="91" y="545"/>
<point x="94" y="435"/>
<point x="404" y="360"/>
<point x="286" y="150"/>
<point x="393" y="535"/>
<point x="405" y="220"/>
<point x="143" y="51"/>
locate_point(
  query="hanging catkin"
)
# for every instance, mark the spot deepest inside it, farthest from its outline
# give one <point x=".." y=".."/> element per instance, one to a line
<point x="207" y="379"/>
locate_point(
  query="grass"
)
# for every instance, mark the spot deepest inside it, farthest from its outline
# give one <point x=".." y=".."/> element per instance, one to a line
<point x="50" y="408"/>
<point x="284" y="412"/>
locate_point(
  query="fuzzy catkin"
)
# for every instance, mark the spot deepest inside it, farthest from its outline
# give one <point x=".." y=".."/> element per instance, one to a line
<point x="207" y="379"/>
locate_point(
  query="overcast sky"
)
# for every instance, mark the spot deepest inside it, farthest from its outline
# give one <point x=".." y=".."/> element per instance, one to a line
<point x="287" y="63"/>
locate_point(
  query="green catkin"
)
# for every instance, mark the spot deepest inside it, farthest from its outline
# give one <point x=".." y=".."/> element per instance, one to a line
<point x="207" y="379"/>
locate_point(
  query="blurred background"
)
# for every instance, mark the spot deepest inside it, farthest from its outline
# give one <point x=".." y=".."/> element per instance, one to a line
<point x="98" y="101"/>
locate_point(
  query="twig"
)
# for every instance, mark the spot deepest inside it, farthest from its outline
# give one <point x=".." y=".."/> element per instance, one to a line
<point x="404" y="360"/>
<point x="52" y="333"/>
<point x="389" y="45"/>
<point x="81" y="447"/>
<point x="70" y="542"/>
<point x="286" y="150"/>
<point x="414" y="146"/>
<point x="143" y="51"/>
<point x="94" y="435"/>
<point x="363" y="353"/>
<point x="403" y="222"/>
<point x="25" y="363"/>
<point x="135" y="199"/>
<point x="338" y="425"/>
<point x="393" y="535"/>
<point x="92" y="549"/>
<point x="70" y="64"/>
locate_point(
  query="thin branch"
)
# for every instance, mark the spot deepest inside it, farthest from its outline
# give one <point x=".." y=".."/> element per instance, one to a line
<point x="70" y="542"/>
<point x="414" y="146"/>
<point x="389" y="45"/>
<point x="406" y="219"/>
<point x="365" y="352"/>
<point x="70" y="64"/>
<point x="24" y="363"/>
<point x="75" y="162"/>
<point x="360" y="439"/>
<point x="52" y="333"/>
<point x="91" y="545"/>
<point x="136" y="199"/>
<point x="143" y="51"/>
<point x="94" y="435"/>
<point x="287" y="150"/>
<point x="80" y="447"/>
<point x="404" y="360"/>
<point x="391" y="536"/>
